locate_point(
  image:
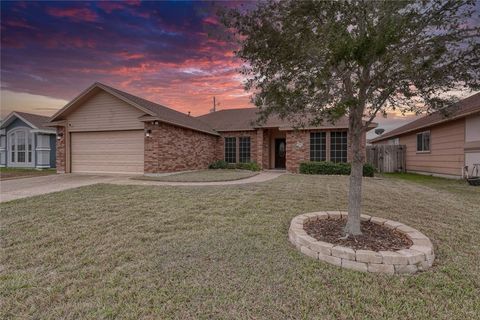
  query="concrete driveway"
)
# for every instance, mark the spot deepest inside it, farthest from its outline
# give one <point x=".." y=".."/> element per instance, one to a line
<point x="27" y="187"/>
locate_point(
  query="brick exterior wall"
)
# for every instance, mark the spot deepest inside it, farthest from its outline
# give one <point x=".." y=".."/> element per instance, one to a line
<point x="298" y="149"/>
<point x="171" y="148"/>
<point x="253" y="143"/>
<point x="61" y="150"/>
<point x="266" y="151"/>
<point x="260" y="149"/>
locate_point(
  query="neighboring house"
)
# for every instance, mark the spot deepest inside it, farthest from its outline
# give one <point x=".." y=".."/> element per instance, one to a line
<point x="25" y="141"/>
<point x="106" y="130"/>
<point x="441" y="145"/>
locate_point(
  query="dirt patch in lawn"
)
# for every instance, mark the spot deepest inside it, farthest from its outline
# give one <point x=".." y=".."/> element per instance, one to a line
<point x="375" y="237"/>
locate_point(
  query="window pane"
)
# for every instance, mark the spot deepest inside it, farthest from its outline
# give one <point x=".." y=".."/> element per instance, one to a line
<point x="21" y="141"/>
<point x="12" y="147"/>
<point x="244" y="149"/>
<point x="338" y="146"/>
<point x="231" y="150"/>
<point x="426" y="141"/>
<point x="318" y="146"/>
<point x="419" y="142"/>
<point x="12" y="142"/>
<point x="21" y="156"/>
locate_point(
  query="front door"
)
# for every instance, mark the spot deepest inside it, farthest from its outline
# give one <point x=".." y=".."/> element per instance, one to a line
<point x="280" y="152"/>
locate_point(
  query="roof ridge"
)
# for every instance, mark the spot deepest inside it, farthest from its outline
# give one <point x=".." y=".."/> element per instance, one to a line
<point x="222" y="110"/>
<point x="32" y="114"/>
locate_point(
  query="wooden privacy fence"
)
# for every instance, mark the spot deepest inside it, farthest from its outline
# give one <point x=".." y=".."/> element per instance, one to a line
<point x="387" y="157"/>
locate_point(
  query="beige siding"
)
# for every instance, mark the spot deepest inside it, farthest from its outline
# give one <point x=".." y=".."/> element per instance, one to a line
<point x="446" y="154"/>
<point x="108" y="152"/>
<point x="104" y="112"/>
<point x="472" y="128"/>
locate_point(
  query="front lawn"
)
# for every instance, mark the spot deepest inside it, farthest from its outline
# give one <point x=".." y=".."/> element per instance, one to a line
<point x="16" y="173"/>
<point x="111" y="251"/>
<point x="203" y="176"/>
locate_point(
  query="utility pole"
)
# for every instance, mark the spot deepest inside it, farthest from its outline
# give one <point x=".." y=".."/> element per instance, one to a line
<point x="214" y="105"/>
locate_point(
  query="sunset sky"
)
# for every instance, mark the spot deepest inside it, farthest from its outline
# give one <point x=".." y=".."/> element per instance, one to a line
<point x="162" y="51"/>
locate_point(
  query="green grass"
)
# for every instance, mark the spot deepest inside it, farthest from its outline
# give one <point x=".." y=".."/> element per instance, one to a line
<point x="457" y="186"/>
<point x="203" y="176"/>
<point x="16" y="173"/>
<point x="130" y="252"/>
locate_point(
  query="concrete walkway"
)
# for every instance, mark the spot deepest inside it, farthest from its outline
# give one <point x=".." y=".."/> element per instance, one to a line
<point x="28" y="187"/>
<point x="261" y="177"/>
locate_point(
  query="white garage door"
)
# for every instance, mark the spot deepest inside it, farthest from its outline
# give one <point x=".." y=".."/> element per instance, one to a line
<point x="107" y="152"/>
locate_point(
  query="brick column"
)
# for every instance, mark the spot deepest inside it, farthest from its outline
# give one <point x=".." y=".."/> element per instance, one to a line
<point x="260" y="148"/>
<point x="298" y="149"/>
<point x="61" y="150"/>
<point x="151" y="148"/>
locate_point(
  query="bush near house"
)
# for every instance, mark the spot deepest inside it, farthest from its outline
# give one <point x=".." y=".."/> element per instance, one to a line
<point x="252" y="166"/>
<point x="221" y="164"/>
<point x="327" y="167"/>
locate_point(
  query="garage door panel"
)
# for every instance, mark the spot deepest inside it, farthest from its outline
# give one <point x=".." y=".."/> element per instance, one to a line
<point x="107" y="152"/>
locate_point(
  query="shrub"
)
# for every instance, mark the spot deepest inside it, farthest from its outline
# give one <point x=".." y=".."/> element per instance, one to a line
<point x="368" y="170"/>
<point x="219" y="164"/>
<point x="252" y="166"/>
<point x="326" y="167"/>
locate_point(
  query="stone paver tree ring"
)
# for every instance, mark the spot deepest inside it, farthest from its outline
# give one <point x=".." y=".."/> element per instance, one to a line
<point x="418" y="257"/>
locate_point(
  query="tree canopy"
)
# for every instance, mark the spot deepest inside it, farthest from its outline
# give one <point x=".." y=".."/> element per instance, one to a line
<point x="320" y="58"/>
<point x="312" y="61"/>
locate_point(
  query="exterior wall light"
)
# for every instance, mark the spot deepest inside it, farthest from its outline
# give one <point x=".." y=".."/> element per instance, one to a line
<point x="59" y="135"/>
<point x="148" y="133"/>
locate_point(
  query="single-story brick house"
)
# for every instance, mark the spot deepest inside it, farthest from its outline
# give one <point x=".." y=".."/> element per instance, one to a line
<point x="106" y="130"/>
<point x="441" y="145"/>
<point x="26" y="141"/>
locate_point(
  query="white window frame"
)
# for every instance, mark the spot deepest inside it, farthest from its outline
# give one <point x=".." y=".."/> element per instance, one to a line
<point x="423" y="150"/>
<point x="43" y="150"/>
<point x="14" y="134"/>
<point x="3" y="150"/>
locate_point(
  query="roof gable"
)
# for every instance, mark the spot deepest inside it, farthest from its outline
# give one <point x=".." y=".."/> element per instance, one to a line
<point x="34" y="121"/>
<point x="463" y="108"/>
<point x="153" y="110"/>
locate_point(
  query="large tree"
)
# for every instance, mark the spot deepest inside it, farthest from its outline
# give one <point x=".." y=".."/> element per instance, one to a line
<point x="316" y="61"/>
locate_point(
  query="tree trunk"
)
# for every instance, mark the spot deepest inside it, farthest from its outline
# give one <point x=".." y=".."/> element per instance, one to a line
<point x="356" y="133"/>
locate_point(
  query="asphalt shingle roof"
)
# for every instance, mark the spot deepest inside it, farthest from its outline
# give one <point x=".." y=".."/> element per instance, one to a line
<point x="462" y="108"/>
<point x="245" y="119"/>
<point x="37" y="120"/>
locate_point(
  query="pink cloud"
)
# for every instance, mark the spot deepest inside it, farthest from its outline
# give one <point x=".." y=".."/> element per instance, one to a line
<point x="109" y="6"/>
<point x="18" y="24"/>
<point x="211" y="20"/>
<point x="75" y="14"/>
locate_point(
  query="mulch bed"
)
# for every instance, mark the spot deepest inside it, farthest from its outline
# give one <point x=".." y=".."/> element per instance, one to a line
<point x="375" y="237"/>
